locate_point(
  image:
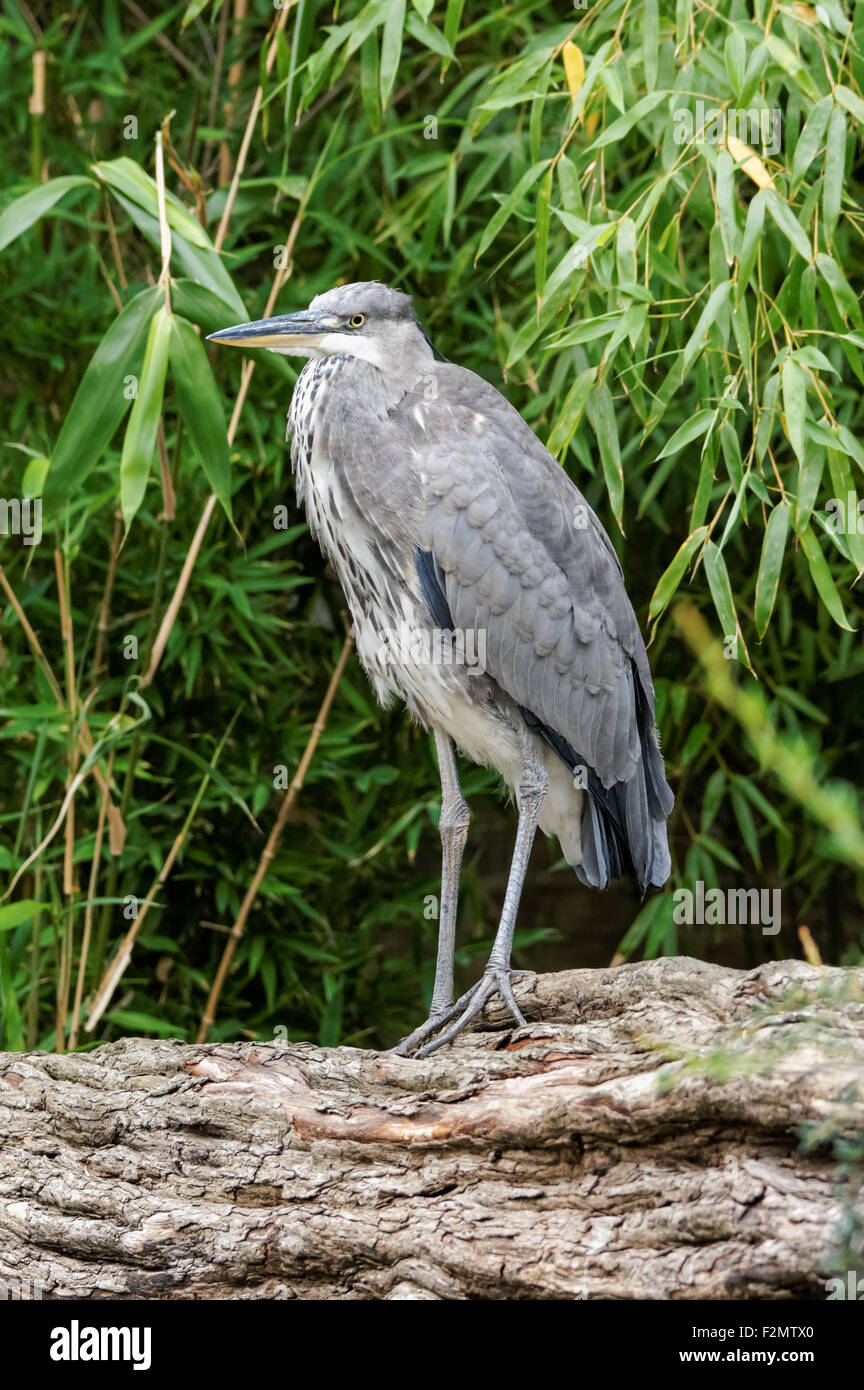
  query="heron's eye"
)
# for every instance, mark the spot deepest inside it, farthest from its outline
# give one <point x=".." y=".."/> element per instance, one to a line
<point x="357" y="320"/>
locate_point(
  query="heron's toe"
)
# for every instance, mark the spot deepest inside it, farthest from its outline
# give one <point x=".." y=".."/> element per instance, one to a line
<point x="469" y="1006"/>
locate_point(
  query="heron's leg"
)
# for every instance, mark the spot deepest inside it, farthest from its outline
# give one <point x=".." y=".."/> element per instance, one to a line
<point x="453" y="828"/>
<point x="496" y="976"/>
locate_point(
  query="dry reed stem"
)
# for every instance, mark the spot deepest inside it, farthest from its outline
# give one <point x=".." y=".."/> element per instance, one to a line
<point x="272" y="842"/>
<point x="117" y="830"/>
<point x="88" y="918"/>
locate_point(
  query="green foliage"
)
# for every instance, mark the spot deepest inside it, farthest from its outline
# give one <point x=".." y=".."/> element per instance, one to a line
<point x="676" y="315"/>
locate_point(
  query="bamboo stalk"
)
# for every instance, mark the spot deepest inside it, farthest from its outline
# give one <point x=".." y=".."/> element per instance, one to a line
<point x="247" y="134"/>
<point x="116" y="826"/>
<point x="88" y="922"/>
<point x="105" y="606"/>
<point x="36" y="107"/>
<point x="120" y="961"/>
<point x="291" y="795"/>
<point x="164" y="229"/>
<point x="69" y="885"/>
<point x="248" y="368"/>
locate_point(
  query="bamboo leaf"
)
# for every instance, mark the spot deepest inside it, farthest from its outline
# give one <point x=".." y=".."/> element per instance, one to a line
<point x="201" y="407"/>
<point x="725" y="200"/>
<point x="811" y="137"/>
<point x="601" y="413"/>
<point x="835" y="160"/>
<point x="391" y="47"/>
<point x="823" y="578"/>
<point x="751" y="239"/>
<point x="650" y="43"/>
<point x="794" y="381"/>
<point x="508" y="207"/>
<point x="27" y="209"/>
<point x="770" y="565"/>
<point x="541" y="233"/>
<point x="624" y="124"/>
<point x="667" y="584"/>
<point x="140" y="439"/>
<point x="788" y="223"/>
<point x="686" y="433"/>
<point x="102" y="399"/>
<point x="724" y="603"/>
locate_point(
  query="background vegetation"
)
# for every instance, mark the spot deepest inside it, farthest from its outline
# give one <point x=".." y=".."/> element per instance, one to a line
<point x="677" y="317"/>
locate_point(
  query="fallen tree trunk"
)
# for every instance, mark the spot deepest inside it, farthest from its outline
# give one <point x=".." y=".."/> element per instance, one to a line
<point x="645" y="1144"/>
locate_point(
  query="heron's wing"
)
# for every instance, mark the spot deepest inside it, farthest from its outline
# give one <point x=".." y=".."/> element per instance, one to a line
<point x="524" y="559"/>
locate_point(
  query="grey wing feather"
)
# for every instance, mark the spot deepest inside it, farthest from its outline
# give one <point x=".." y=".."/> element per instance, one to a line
<point x="516" y="540"/>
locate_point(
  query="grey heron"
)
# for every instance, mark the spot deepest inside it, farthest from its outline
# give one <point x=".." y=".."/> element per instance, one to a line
<point x="446" y="519"/>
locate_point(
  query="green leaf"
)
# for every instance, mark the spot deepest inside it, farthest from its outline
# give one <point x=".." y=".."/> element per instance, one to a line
<point x="27" y="209"/>
<point x="696" y="341"/>
<point x="101" y="400"/>
<point x="369" y="80"/>
<point x="131" y="1021"/>
<point x="746" y="824"/>
<point x="735" y="58"/>
<point x="686" y="433"/>
<point x="770" y="565"/>
<point x="498" y="218"/>
<point x="140" y="438"/>
<point x="430" y="37"/>
<point x="625" y="252"/>
<point x="843" y="486"/>
<point x="809" y="480"/>
<point x="835" y="160"/>
<point x="541" y="233"/>
<point x="124" y="176"/>
<point x="13" y="914"/>
<point x="197" y="262"/>
<point x="391" y="47"/>
<point x="571" y="412"/>
<point x="650" y="43"/>
<point x="725" y="199"/>
<point x="794" y="380"/>
<point x="823" y="578"/>
<point x="201" y="407"/>
<point x="844" y="296"/>
<point x="853" y="103"/>
<point x="788" y="223"/>
<point x="811" y="137"/>
<point x="601" y="413"/>
<point x="790" y="62"/>
<point x="452" y="20"/>
<point x="671" y="577"/>
<point x="618" y="129"/>
<point x="751" y="239"/>
<point x="203" y="306"/>
<point x="721" y="592"/>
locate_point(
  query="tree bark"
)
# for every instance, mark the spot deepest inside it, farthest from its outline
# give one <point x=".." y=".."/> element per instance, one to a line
<point x="640" y="1138"/>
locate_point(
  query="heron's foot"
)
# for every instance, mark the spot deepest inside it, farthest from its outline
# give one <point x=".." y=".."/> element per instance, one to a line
<point x="437" y="1019"/>
<point x="457" y="1017"/>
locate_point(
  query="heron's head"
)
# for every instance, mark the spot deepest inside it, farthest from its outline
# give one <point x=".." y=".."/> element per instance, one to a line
<point x="366" y="320"/>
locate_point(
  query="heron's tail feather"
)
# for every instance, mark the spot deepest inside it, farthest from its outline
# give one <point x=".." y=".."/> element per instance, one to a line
<point x="623" y="826"/>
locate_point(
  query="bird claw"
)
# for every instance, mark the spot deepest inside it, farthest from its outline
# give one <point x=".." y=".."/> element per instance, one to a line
<point x="460" y="1014"/>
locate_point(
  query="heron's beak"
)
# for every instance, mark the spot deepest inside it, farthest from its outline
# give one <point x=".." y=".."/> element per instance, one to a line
<point x="283" y="333"/>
